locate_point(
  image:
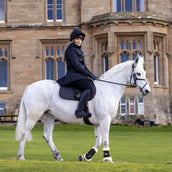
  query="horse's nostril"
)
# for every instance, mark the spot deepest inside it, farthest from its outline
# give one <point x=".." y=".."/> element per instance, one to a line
<point x="147" y="91"/>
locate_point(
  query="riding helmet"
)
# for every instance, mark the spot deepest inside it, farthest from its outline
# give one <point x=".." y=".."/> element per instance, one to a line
<point x="77" y="33"/>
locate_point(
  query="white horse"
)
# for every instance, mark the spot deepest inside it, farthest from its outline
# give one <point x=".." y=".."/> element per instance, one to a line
<point x="41" y="101"/>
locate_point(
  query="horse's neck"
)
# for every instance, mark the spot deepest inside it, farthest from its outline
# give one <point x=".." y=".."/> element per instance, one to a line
<point x="122" y="77"/>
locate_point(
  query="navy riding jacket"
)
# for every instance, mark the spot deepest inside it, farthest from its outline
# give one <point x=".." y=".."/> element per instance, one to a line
<point x="76" y="67"/>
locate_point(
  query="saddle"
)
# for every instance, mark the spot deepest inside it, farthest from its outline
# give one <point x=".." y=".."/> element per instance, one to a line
<point x="72" y="93"/>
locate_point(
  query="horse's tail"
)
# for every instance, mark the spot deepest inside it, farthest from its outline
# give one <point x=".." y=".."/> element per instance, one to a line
<point x="21" y="122"/>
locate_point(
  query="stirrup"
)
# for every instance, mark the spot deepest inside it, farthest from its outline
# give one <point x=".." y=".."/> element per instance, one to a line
<point x="80" y="114"/>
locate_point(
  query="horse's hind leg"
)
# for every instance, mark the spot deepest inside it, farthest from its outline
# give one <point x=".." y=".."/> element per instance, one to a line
<point x="28" y="127"/>
<point x="48" y="121"/>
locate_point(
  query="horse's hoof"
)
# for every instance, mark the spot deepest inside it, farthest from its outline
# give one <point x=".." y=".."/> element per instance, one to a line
<point x="60" y="159"/>
<point x="108" y="159"/>
<point x="20" y="157"/>
<point x="81" y="158"/>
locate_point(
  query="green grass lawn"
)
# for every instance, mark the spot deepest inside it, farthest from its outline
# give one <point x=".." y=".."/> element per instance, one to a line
<point x="132" y="149"/>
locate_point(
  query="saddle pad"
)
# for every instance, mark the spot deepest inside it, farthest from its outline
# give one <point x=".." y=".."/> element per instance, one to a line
<point x="70" y="93"/>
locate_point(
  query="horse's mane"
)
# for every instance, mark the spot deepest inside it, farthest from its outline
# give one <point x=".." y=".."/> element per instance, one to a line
<point x="116" y="69"/>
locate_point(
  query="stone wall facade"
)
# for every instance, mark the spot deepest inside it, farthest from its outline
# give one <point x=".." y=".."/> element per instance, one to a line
<point x="26" y="31"/>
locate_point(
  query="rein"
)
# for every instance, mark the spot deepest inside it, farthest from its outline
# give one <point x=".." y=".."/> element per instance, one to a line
<point x="115" y="83"/>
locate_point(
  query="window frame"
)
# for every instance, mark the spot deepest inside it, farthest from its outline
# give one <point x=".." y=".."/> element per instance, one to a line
<point x="156" y="68"/>
<point x="55" y="12"/>
<point x="5" y="13"/>
<point x="123" y="104"/>
<point x="129" y="50"/>
<point x="132" y="104"/>
<point x="140" y="105"/>
<point x="158" y="53"/>
<point x="7" y="45"/>
<point x="55" y="44"/>
<point x="134" y="6"/>
<point x="2" y="107"/>
<point x="103" y="52"/>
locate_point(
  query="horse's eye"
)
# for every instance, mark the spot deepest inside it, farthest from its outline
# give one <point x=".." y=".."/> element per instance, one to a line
<point x="138" y="74"/>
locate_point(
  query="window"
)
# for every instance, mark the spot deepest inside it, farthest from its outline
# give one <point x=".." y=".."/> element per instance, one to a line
<point x="50" y="68"/>
<point x="54" y="10"/>
<point x="60" y="68"/>
<point x="128" y="5"/>
<point x="4" y="66"/>
<point x="132" y="106"/>
<point x="53" y="55"/>
<point x="156" y="80"/>
<point x="103" y="54"/>
<point x="123" y="106"/>
<point x="159" y="77"/>
<point x="2" y="106"/>
<point x="129" y="47"/>
<point x="140" y="5"/>
<point x="141" y="106"/>
<point x="131" y="109"/>
<point x="2" y="11"/>
<point x="105" y="62"/>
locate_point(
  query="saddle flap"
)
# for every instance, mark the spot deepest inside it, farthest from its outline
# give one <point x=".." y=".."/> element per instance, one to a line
<point x="70" y="93"/>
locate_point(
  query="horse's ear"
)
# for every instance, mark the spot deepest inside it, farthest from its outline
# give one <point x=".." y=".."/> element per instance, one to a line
<point x="136" y="60"/>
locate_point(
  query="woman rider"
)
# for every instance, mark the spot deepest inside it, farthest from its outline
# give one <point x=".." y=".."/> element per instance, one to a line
<point x="78" y="74"/>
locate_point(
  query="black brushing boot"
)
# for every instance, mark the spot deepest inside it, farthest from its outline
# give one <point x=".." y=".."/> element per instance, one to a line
<point x="80" y="112"/>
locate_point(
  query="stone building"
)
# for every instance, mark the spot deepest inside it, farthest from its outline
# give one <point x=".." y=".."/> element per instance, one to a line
<point x="34" y="35"/>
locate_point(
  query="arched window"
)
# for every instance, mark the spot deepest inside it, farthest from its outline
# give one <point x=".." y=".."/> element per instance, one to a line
<point x="104" y="55"/>
<point x="53" y="63"/>
<point x="105" y="62"/>
<point x="0" y="52"/>
<point x="58" y="51"/>
<point x="130" y="46"/>
<point x="46" y="52"/>
<point x="60" y="68"/>
<point x="134" y="44"/>
<point x="156" y="70"/>
<point x="4" y="66"/>
<point x="124" y="57"/>
<point x="159" y="61"/>
<point x="52" y="51"/>
<point x="49" y="68"/>
<point x="127" y="45"/>
<point x="139" y="45"/>
<point x="134" y="55"/>
<point x="3" y="73"/>
<point x="121" y="45"/>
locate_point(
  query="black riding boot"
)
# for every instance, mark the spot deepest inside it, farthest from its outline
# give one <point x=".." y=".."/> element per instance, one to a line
<point x="80" y="112"/>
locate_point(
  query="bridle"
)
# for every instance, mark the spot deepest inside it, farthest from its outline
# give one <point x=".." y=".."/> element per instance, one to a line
<point x="133" y="75"/>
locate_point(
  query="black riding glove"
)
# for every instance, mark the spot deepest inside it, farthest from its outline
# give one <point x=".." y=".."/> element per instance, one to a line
<point x="92" y="76"/>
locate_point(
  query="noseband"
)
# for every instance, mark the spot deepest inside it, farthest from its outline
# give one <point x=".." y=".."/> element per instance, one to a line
<point x="133" y="75"/>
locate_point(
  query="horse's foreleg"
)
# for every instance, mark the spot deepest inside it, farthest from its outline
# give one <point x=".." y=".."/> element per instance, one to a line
<point x="105" y="134"/>
<point x="88" y="156"/>
<point x="48" y="121"/>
